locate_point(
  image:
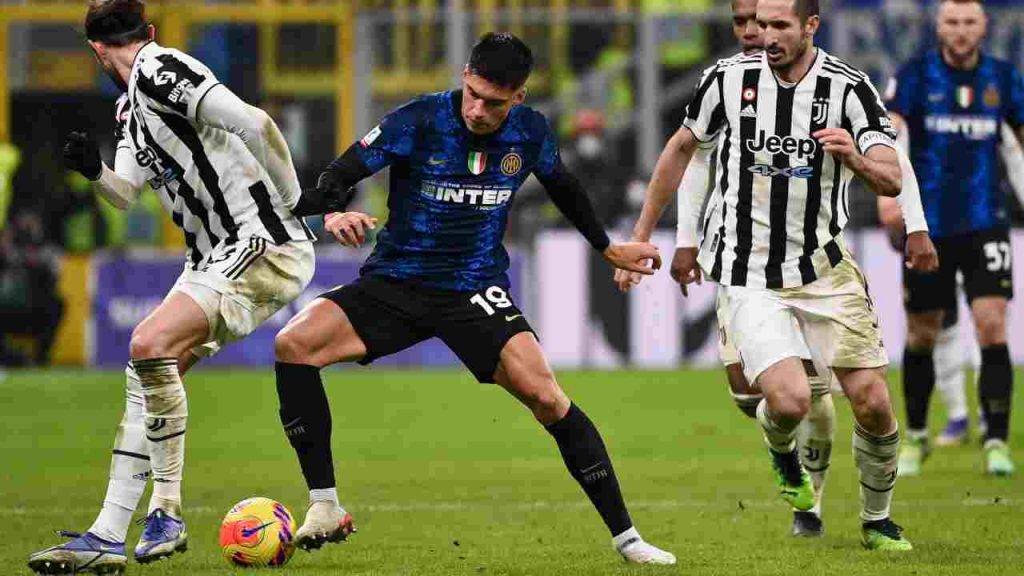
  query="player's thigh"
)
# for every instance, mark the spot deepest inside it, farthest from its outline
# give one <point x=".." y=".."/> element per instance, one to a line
<point x="989" y="313"/>
<point x="169" y="331"/>
<point x="525" y="373"/>
<point x="362" y="321"/>
<point x="763" y="331"/>
<point x="839" y="321"/>
<point x="476" y="326"/>
<point x="319" y="335"/>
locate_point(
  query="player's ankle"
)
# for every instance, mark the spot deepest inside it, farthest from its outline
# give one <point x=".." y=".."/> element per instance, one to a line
<point x="324" y="495"/>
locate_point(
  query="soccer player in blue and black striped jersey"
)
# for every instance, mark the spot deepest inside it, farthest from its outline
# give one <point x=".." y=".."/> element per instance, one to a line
<point x="439" y="270"/>
<point x="951" y="103"/>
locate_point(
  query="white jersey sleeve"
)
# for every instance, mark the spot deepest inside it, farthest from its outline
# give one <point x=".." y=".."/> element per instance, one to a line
<point x="1013" y="160"/>
<point x="910" y="196"/>
<point x="865" y="114"/>
<point x="692" y="191"/>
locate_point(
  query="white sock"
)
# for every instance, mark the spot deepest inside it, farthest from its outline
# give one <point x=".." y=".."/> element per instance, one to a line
<point x="166" y="417"/>
<point x="627" y="537"/>
<point x="777" y="437"/>
<point x="950" y="364"/>
<point x="324" y="495"/>
<point x="129" y="467"/>
<point x="876" y="459"/>
<point x="814" y="440"/>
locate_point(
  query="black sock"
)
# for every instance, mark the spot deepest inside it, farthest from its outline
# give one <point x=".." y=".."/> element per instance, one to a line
<point x="918" y="383"/>
<point x="306" y="417"/>
<point x="587" y="460"/>
<point x="995" y="389"/>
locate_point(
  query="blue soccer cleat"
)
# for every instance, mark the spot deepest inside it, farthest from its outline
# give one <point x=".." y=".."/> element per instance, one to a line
<point x="84" y="553"/>
<point x="164" y="535"/>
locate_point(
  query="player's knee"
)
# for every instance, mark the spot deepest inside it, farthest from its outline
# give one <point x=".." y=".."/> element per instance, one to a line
<point x="923" y="331"/>
<point x="149" y="344"/>
<point x="871" y="402"/>
<point x="991" y="329"/>
<point x="292" y="346"/>
<point x="792" y="406"/>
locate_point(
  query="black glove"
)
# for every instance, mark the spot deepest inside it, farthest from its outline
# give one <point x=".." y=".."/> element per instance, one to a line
<point x="330" y="195"/>
<point x="83" y="155"/>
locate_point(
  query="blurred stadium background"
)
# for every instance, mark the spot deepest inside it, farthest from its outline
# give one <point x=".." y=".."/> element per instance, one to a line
<point x="76" y="275"/>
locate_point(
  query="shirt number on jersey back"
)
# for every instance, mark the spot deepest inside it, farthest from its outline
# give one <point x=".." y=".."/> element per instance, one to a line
<point x="496" y="296"/>
<point x="998" y="256"/>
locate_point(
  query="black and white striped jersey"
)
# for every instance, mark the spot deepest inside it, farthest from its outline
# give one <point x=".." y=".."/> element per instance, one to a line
<point x="779" y="203"/>
<point x="206" y="178"/>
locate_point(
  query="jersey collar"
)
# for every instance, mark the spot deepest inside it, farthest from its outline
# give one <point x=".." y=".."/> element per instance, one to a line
<point x="819" y="57"/>
<point x="455" y="97"/>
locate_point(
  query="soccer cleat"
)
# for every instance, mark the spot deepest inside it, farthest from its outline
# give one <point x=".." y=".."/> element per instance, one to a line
<point x="164" y="536"/>
<point x="84" y="553"/>
<point x="325" y="522"/>
<point x="997" y="458"/>
<point x="913" y="453"/>
<point x="884" y="535"/>
<point x="636" y="551"/>
<point x="954" y="434"/>
<point x="793" y="481"/>
<point x="807" y="525"/>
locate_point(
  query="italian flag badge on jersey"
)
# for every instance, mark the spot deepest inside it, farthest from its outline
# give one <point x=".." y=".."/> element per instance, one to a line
<point x="477" y="162"/>
<point x="965" y="96"/>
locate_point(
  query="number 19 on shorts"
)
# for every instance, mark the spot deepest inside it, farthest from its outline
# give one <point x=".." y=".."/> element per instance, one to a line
<point x="493" y="297"/>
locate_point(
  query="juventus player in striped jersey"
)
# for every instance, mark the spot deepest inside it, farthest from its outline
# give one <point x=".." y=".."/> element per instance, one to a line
<point x="796" y="125"/>
<point x="222" y="170"/>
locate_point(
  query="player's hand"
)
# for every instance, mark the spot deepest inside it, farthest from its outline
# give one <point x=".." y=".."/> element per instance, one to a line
<point x="625" y="279"/>
<point x="82" y="154"/>
<point x="920" y="254"/>
<point x="838" y="142"/>
<point x="684" y="268"/>
<point x="349" y="228"/>
<point x="642" y="257"/>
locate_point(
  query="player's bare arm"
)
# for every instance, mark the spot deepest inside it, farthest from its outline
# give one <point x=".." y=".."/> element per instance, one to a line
<point x="668" y="173"/>
<point x="879" y="167"/>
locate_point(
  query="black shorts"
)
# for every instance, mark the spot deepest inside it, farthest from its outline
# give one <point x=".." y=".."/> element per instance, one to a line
<point x="391" y="315"/>
<point x="984" y="259"/>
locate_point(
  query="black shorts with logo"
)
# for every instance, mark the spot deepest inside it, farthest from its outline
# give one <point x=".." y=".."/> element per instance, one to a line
<point x="391" y="315"/>
<point x="985" y="260"/>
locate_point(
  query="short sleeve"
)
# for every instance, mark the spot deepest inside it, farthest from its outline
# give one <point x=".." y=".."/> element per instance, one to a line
<point x="549" y="157"/>
<point x="176" y="82"/>
<point x="394" y="137"/>
<point x="899" y="93"/>
<point x="1015" y="102"/>
<point x="867" y="118"/>
<point x="705" y="112"/>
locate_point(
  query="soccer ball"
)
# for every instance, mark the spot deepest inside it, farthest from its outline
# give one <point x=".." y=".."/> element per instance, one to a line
<point x="258" y="532"/>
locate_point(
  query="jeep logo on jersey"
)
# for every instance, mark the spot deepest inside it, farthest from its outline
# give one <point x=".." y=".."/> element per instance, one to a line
<point x="454" y="194"/>
<point x="774" y="144"/>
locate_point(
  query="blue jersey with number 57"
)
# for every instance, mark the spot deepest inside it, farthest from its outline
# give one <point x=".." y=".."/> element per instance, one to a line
<point x="954" y="119"/>
<point x="450" y="190"/>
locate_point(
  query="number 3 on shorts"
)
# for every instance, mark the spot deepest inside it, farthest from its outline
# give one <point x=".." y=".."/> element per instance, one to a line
<point x="494" y="295"/>
<point x="998" y="256"/>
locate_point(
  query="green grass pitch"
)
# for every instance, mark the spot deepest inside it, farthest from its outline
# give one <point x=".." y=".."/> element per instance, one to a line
<point x="444" y="476"/>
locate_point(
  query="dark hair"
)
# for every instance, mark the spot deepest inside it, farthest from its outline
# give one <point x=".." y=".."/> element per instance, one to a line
<point x="806" y="8"/>
<point x="501" y="58"/>
<point x="116" y="22"/>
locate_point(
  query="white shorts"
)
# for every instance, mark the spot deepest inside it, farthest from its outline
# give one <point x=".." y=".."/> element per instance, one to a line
<point x="241" y="285"/>
<point x="832" y="319"/>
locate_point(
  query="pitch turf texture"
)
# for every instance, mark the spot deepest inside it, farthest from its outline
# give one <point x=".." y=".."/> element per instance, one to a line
<point x="444" y="476"/>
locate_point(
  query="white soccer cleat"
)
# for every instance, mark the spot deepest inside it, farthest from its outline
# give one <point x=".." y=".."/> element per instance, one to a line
<point x="636" y="551"/>
<point x="325" y="522"/>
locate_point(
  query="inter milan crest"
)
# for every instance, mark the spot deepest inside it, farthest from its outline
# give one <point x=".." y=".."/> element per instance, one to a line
<point x="477" y="162"/>
<point x="819" y="110"/>
<point x="965" y="96"/>
<point x="991" y="96"/>
<point x="511" y="164"/>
